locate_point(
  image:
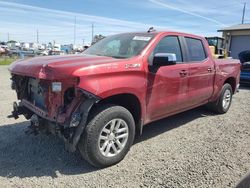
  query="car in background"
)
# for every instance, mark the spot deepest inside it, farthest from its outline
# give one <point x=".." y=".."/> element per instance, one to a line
<point x="3" y="45"/>
<point x="245" y="67"/>
<point x="2" y="50"/>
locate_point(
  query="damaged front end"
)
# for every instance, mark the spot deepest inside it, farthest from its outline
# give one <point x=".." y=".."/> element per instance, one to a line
<point x="53" y="106"/>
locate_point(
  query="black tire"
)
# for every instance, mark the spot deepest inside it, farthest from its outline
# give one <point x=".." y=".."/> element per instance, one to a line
<point x="89" y="142"/>
<point x="218" y="105"/>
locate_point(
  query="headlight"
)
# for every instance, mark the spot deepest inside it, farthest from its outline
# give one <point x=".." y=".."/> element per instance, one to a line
<point x="56" y="86"/>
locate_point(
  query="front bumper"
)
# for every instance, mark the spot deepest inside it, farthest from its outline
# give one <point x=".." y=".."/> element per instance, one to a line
<point x="25" y="107"/>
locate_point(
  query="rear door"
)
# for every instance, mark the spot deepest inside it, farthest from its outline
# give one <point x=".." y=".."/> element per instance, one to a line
<point x="167" y="85"/>
<point x="201" y="72"/>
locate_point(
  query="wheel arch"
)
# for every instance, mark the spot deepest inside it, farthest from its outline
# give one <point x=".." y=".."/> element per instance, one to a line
<point x="129" y="101"/>
<point x="231" y="81"/>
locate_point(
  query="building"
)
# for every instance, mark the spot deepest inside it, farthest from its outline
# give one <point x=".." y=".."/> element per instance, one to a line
<point x="11" y="44"/>
<point x="237" y="38"/>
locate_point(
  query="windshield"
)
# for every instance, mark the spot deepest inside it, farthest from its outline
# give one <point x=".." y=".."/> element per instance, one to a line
<point x="217" y="42"/>
<point x="212" y="41"/>
<point x="220" y="43"/>
<point x="121" y="45"/>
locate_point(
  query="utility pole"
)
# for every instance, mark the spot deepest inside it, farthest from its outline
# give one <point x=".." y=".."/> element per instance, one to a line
<point x="243" y="15"/>
<point x="8" y="36"/>
<point x="75" y="31"/>
<point x="37" y="36"/>
<point x="92" y="32"/>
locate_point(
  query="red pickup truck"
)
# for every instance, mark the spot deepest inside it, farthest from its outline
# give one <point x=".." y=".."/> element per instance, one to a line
<point x="98" y="100"/>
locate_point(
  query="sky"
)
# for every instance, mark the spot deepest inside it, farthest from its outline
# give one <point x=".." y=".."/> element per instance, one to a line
<point x="55" y="20"/>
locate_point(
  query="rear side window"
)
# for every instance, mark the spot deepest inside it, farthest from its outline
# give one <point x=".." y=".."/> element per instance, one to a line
<point x="196" y="50"/>
<point x="170" y="44"/>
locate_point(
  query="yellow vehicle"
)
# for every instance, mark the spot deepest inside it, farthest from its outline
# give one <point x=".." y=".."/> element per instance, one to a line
<point x="217" y="47"/>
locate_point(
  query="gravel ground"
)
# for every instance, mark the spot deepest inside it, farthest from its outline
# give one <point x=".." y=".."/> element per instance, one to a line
<point x="193" y="149"/>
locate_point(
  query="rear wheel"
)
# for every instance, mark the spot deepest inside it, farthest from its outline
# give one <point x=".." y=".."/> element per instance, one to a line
<point x="224" y="102"/>
<point x="108" y="136"/>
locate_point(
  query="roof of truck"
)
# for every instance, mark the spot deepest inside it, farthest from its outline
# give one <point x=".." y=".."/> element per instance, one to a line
<point x="169" y="31"/>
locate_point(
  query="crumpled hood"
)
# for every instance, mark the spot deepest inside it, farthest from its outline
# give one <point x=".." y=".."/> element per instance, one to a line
<point x="55" y="67"/>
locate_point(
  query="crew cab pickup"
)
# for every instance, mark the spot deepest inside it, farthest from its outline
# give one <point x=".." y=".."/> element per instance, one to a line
<point x="99" y="100"/>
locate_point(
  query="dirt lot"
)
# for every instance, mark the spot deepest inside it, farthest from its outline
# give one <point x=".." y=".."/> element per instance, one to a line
<point x="193" y="149"/>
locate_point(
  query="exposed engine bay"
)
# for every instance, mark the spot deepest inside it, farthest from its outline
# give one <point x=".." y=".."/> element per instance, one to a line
<point x="53" y="107"/>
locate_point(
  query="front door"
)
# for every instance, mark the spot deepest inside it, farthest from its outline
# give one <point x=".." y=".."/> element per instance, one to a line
<point x="167" y="85"/>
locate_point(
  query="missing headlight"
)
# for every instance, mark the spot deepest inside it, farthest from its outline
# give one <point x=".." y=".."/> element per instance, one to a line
<point x="69" y="95"/>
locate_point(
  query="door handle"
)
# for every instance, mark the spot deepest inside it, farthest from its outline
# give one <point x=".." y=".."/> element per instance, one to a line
<point x="183" y="73"/>
<point x="209" y="69"/>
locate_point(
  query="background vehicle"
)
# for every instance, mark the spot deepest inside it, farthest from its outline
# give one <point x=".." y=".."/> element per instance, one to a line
<point x="245" y="66"/>
<point x="3" y="45"/>
<point x="2" y="50"/>
<point x="99" y="100"/>
<point x="217" y="47"/>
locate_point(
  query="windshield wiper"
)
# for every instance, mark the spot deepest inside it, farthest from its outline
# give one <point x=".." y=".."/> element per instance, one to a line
<point x="99" y="54"/>
<point x="118" y="57"/>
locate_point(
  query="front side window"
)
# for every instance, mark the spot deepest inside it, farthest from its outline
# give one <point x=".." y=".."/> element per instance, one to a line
<point x="169" y="44"/>
<point x="121" y="46"/>
<point x="196" y="50"/>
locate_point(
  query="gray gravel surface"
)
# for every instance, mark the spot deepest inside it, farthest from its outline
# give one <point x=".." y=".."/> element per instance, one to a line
<point x="193" y="149"/>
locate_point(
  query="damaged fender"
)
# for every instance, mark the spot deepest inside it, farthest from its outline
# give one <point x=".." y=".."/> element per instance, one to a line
<point x="85" y="107"/>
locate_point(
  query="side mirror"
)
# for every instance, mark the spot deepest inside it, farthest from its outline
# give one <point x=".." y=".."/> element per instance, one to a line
<point x="164" y="59"/>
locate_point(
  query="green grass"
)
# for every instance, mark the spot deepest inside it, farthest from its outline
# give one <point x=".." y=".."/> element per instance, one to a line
<point x="6" y="60"/>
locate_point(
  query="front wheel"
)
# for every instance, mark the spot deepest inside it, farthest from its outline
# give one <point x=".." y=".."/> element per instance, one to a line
<point x="224" y="102"/>
<point x="108" y="136"/>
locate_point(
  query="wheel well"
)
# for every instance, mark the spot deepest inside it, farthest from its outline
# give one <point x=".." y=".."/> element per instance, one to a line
<point x="232" y="82"/>
<point x="128" y="101"/>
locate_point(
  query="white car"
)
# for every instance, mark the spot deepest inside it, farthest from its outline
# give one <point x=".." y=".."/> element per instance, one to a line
<point x="2" y="50"/>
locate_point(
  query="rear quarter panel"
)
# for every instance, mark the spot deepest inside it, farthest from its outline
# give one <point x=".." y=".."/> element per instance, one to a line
<point x="225" y="69"/>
